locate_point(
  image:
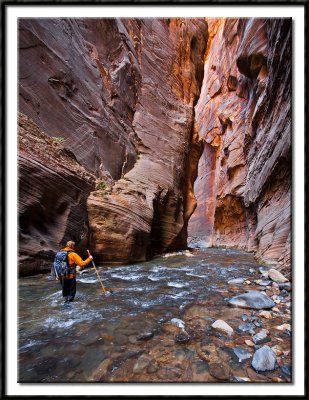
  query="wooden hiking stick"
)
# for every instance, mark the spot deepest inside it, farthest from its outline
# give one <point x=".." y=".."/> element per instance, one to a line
<point x="104" y="290"/>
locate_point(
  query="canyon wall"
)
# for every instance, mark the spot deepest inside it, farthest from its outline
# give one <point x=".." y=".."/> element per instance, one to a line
<point x="243" y="116"/>
<point x="52" y="192"/>
<point x="139" y="109"/>
<point x="120" y="95"/>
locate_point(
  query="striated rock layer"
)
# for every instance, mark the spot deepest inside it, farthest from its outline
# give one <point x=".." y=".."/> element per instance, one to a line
<point x="147" y="211"/>
<point x="52" y="190"/>
<point x="244" y="118"/>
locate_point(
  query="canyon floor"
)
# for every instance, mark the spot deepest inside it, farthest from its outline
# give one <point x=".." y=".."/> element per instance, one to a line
<point x="157" y="323"/>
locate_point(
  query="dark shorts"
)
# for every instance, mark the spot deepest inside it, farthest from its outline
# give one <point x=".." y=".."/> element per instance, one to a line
<point x="68" y="288"/>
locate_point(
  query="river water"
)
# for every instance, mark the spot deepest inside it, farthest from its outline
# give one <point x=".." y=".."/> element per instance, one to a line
<point x="136" y="333"/>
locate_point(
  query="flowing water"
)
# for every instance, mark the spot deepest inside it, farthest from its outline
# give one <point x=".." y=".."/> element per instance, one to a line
<point x="129" y="334"/>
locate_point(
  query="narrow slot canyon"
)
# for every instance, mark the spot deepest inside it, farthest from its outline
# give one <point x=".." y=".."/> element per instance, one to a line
<point x="164" y="147"/>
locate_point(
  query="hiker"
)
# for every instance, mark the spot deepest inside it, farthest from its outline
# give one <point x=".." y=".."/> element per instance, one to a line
<point x="68" y="280"/>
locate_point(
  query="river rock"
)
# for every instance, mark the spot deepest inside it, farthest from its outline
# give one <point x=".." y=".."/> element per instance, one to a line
<point x="145" y="336"/>
<point x="241" y="353"/>
<point x="283" y="327"/>
<point x="247" y="327"/>
<point x="178" y="322"/>
<point x="219" y="371"/>
<point x="277" y="276"/>
<point x="222" y="326"/>
<point x="285" y="285"/>
<point x="182" y="337"/>
<point x="244" y="196"/>
<point x="252" y="299"/>
<point x="236" y="281"/>
<point x="264" y="359"/>
<point x="262" y="283"/>
<point x="287" y="370"/>
<point x="260" y="338"/>
<point x="266" y="314"/>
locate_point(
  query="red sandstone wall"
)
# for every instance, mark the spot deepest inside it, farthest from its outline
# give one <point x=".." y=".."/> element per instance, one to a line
<point x="244" y="117"/>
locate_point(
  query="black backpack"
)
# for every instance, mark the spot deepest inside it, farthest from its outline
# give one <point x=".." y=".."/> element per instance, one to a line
<point x="61" y="267"/>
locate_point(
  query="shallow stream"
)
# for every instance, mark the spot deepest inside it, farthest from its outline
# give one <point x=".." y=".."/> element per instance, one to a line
<point x="132" y="333"/>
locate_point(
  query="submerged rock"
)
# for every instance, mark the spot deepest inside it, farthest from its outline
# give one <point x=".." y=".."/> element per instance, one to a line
<point x="182" y="337"/>
<point x="252" y="299"/>
<point x="247" y="327"/>
<point x="241" y="353"/>
<point x="145" y="336"/>
<point x="219" y="371"/>
<point x="264" y="359"/>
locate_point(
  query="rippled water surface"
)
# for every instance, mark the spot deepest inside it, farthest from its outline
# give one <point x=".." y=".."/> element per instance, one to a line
<point x="68" y="344"/>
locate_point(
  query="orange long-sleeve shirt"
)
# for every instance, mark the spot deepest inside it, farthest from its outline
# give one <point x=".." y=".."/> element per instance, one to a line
<point x="75" y="259"/>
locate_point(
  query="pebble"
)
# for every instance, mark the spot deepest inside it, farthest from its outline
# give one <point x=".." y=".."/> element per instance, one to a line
<point x="244" y="317"/>
<point x="263" y="270"/>
<point x="260" y="338"/>
<point x="178" y="322"/>
<point x="266" y="314"/>
<point x="241" y="353"/>
<point x="249" y="343"/>
<point x="285" y="285"/>
<point x="182" y="337"/>
<point x="264" y="359"/>
<point x="236" y="281"/>
<point x="262" y="282"/>
<point x="247" y="327"/>
<point x="284" y="327"/>
<point x="222" y="326"/>
<point x="145" y="336"/>
<point x="252" y="299"/>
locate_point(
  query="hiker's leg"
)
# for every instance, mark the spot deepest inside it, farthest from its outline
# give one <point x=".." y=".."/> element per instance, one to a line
<point x="65" y="289"/>
<point x="72" y="289"/>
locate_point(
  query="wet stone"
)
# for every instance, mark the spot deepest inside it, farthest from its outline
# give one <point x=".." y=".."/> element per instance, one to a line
<point x="263" y="283"/>
<point x="264" y="359"/>
<point x="182" y="337"/>
<point x="252" y="299"/>
<point x="241" y="354"/>
<point x="244" y="317"/>
<point x="236" y="281"/>
<point x="260" y="338"/>
<point x="287" y="370"/>
<point x="285" y="285"/>
<point x="247" y="327"/>
<point x="145" y="336"/>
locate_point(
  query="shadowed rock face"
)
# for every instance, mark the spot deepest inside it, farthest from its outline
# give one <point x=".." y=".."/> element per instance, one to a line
<point x="53" y="188"/>
<point x="244" y="115"/>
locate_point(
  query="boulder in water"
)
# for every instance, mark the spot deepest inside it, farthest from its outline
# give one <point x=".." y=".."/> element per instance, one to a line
<point x="252" y="299"/>
<point x="276" y="276"/>
<point x="264" y="359"/>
